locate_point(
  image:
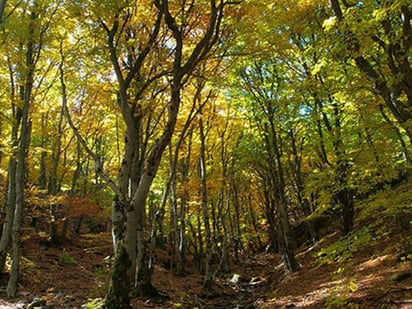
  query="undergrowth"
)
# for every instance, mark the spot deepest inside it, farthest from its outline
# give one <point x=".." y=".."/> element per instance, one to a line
<point x="343" y="249"/>
<point x="66" y="259"/>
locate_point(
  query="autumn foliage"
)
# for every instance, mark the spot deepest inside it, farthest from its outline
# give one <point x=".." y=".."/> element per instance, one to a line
<point x="209" y="129"/>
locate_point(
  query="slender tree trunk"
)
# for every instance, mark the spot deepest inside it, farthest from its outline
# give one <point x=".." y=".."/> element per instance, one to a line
<point x="2" y="7"/>
<point x="300" y="188"/>
<point x="174" y="217"/>
<point x="76" y="174"/>
<point x="224" y="265"/>
<point x="20" y="184"/>
<point x="43" y="154"/>
<point x="224" y="202"/>
<point x="21" y="162"/>
<point x="11" y="196"/>
<point x="286" y="240"/>
<point x="181" y="239"/>
<point x="53" y="183"/>
<point x="237" y="239"/>
<point x="144" y="273"/>
<point x="170" y="183"/>
<point x="208" y="279"/>
<point x="201" y="256"/>
<point x="272" y="228"/>
<point x="181" y="253"/>
<point x="11" y="174"/>
<point x="344" y="195"/>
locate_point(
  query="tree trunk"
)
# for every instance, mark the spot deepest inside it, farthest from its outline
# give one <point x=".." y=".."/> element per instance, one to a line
<point x="21" y="162"/>
<point x="237" y="239"/>
<point x="20" y="184"/>
<point x="118" y="294"/>
<point x="270" y="216"/>
<point x="11" y="174"/>
<point x="43" y="154"/>
<point x="11" y="196"/>
<point x="286" y="241"/>
<point x="2" y="7"/>
<point x="180" y="266"/>
<point x="224" y="265"/>
<point x="53" y="181"/>
<point x="255" y="223"/>
<point x="53" y="225"/>
<point x="143" y="285"/>
<point x="76" y="174"/>
<point x="296" y="165"/>
<point x="208" y="279"/>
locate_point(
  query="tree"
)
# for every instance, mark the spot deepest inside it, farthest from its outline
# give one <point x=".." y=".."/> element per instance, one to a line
<point x="29" y="43"/>
<point x="264" y="86"/>
<point x="378" y="37"/>
<point x="138" y="166"/>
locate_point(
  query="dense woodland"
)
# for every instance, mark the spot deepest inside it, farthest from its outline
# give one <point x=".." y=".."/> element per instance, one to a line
<point x="204" y="131"/>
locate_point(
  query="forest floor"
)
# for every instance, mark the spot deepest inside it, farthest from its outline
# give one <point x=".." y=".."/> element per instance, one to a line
<point x="372" y="275"/>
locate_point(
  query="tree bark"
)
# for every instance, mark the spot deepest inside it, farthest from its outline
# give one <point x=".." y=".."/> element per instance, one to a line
<point x="2" y="7"/>
<point x="21" y="160"/>
<point x="11" y="193"/>
<point x="208" y="278"/>
<point x="43" y="154"/>
<point x="11" y="173"/>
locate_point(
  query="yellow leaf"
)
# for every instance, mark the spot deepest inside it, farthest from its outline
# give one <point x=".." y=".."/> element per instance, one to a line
<point x="329" y="23"/>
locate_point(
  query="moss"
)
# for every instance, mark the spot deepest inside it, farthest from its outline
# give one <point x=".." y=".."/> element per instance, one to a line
<point x="118" y="294"/>
<point x="144" y="287"/>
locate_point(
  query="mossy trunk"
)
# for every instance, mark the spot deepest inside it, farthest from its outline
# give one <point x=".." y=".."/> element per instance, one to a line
<point x="144" y="285"/>
<point x="118" y="294"/>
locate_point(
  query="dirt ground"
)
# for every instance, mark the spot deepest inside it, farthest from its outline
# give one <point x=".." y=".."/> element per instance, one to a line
<point x="70" y="275"/>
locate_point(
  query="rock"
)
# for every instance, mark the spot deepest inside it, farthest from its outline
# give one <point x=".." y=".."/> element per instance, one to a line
<point x="236" y="278"/>
<point x="37" y="303"/>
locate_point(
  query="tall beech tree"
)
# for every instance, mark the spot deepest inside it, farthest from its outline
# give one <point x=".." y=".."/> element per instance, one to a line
<point x="190" y="42"/>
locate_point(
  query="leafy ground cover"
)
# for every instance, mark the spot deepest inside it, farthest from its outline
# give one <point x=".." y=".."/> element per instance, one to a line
<point x="367" y="274"/>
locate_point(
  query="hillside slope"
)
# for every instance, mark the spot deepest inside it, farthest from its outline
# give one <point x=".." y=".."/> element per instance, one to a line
<point x="367" y="269"/>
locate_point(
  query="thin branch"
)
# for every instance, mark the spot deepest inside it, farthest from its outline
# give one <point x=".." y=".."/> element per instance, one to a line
<point x="99" y="166"/>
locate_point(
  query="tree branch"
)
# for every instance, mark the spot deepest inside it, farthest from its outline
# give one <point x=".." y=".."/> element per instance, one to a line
<point x="99" y="166"/>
